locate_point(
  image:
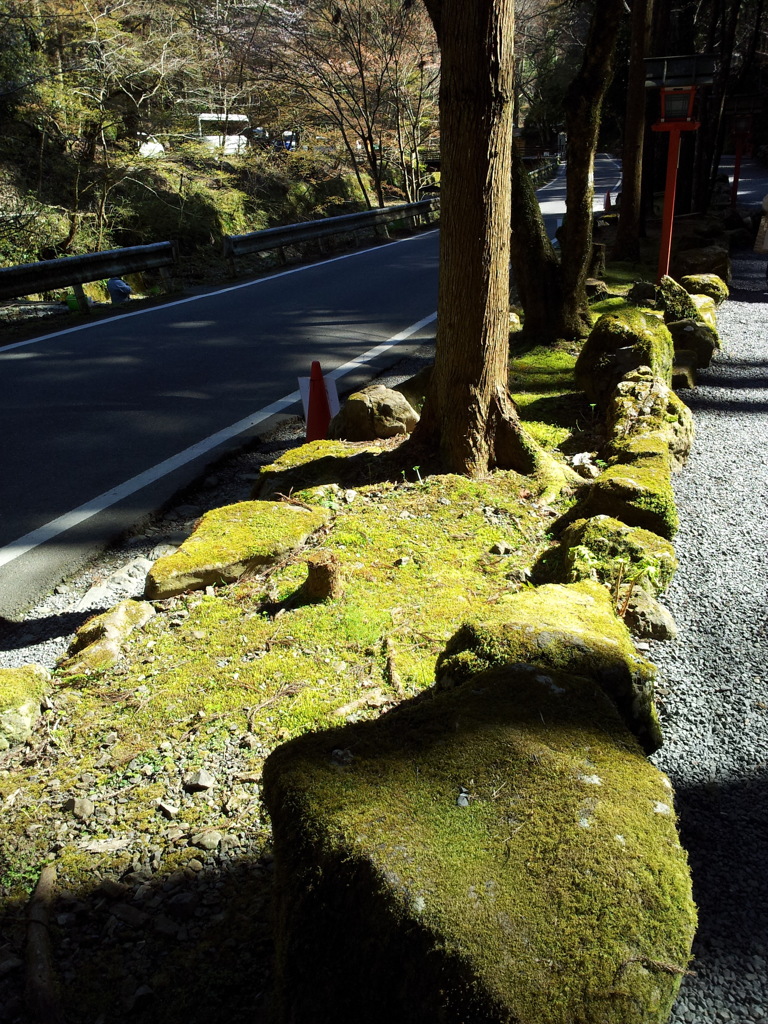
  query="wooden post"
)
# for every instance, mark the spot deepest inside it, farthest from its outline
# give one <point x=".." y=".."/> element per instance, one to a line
<point x="323" y="581"/>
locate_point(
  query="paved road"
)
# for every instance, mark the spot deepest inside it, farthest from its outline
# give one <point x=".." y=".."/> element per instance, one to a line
<point x="607" y="178"/>
<point x="104" y="421"/>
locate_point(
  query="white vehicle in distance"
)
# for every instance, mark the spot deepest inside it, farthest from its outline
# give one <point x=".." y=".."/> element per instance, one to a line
<point x="225" y="132"/>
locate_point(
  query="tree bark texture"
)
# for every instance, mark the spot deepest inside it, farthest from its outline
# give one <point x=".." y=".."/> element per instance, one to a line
<point x="583" y="107"/>
<point x="468" y="407"/>
<point x="535" y="263"/>
<point x="627" y="244"/>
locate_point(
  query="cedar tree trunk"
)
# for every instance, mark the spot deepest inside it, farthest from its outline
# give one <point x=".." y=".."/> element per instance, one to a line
<point x="583" y="109"/>
<point x="468" y="411"/>
<point x="627" y="244"/>
<point x="535" y="263"/>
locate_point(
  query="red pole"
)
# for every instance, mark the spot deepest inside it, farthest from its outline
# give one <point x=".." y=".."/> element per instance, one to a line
<point x="670" y="188"/>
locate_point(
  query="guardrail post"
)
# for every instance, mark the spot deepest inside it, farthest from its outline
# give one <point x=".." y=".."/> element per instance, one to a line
<point x="82" y="301"/>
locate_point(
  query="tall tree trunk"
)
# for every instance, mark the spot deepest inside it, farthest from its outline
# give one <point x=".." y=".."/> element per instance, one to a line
<point x="583" y="109"/>
<point x="535" y="263"/>
<point x="468" y="407"/>
<point x="627" y="244"/>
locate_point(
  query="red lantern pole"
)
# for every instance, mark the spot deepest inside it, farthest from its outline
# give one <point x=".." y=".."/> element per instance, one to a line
<point x="670" y="188"/>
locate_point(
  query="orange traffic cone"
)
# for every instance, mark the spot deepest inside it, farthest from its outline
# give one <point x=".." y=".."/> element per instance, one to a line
<point x="607" y="205"/>
<point x="318" y="409"/>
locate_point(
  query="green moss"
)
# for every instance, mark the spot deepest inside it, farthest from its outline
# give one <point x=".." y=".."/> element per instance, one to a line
<point x="558" y="893"/>
<point x="614" y="304"/>
<point x="706" y="311"/>
<point x="22" y="685"/>
<point x="230" y="540"/>
<point x="706" y="284"/>
<point x="572" y="628"/>
<point x="314" y="464"/>
<point x="645" y="416"/>
<point x="614" y="554"/>
<point x="619" y="343"/>
<point x="543" y="389"/>
<point x="636" y="494"/>
<point x="678" y="304"/>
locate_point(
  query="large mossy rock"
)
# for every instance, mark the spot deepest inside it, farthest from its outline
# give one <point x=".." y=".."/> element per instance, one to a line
<point x="706" y="284"/>
<point x="230" y="540"/>
<point x="315" y="464"/>
<point x="610" y="552"/>
<point x="572" y="628"/>
<point x="706" y="310"/>
<point x="500" y="853"/>
<point x="375" y="411"/>
<point x="644" y="411"/>
<point x="639" y="493"/>
<point x="21" y="693"/>
<point x="619" y="344"/>
<point x="675" y="301"/>
<point x="98" y="643"/>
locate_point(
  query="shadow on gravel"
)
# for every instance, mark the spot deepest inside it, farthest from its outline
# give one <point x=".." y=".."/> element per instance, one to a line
<point x="181" y="947"/>
<point x="749" y="295"/>
<point x="758" y="382"/>
<point x="15" y="635"/>
<point x="734" y="405"/>
<point x="724" y="828"/>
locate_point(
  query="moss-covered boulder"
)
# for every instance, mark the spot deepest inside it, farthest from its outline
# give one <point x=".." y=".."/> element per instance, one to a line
<point x="21" y="692"/>
<point x="610" y="552"/>
<point x="675" y="301"/>
<point x="637" y="493"/>
<point x="706" y="284"/>
<point x="313" y="465"/>
<point x="706" y="310"/>
<point x="375" y="411"/>
<point x="618" y="344"/>
<point x="500" y="853"/>
<point x="230" y="540"/>
<point x="97" y="644"/>
<point x="573" y="628"/>
<point x="697" y="337"/>
<point x="644" y="411"/>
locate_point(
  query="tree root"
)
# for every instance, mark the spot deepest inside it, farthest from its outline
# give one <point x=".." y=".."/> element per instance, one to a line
<point x="43" y="1004"/>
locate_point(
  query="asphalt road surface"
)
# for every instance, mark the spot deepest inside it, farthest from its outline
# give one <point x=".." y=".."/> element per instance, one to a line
<point x="104" y="421"/>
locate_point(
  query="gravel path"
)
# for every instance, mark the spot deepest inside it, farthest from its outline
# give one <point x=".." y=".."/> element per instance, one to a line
<point x="715" y="714"/>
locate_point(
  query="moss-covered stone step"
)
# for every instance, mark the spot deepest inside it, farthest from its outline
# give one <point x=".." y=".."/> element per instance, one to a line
<point x="21" y="692"/>
<point x="230" y="540"/>
<point x="572" y="628"/>
<point x="500" y="853"/>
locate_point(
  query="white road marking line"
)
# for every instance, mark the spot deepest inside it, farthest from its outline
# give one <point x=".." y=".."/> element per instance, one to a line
<point x="103" y="501"/>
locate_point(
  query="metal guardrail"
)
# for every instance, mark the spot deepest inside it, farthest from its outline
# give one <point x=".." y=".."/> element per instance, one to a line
<point x="350" y="223"/>
<point x="29" y="278"/>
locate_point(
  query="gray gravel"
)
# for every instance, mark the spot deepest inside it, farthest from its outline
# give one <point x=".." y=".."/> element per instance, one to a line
<point x="715" y="714"/>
